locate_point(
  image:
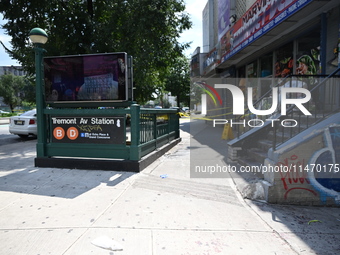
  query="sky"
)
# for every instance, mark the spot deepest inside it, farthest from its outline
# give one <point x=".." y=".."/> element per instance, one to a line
<point x="5" y="60"/>
<point x="194" y="35"/>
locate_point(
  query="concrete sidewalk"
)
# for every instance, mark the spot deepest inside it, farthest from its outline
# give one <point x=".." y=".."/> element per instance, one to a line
<point x="158" y="211"/>
<point x="4" y="120"/>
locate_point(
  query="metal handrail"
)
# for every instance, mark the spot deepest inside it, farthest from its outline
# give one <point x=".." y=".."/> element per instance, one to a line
<point x="265" y="95"/>
<point x="290" y="110"/>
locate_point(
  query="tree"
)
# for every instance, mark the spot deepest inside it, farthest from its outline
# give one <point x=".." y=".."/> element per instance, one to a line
<point x="195" y="94"/>
<point x="178" y="80"/>
<point x="146" y="29"/>
<point x="29" y="91"/>
<point x="10" y="89"/>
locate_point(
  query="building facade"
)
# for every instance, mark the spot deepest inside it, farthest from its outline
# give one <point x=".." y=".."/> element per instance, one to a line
<point x="256" y="44"/>
<point x="15" y="70"/>
<point x="253" y="43"/>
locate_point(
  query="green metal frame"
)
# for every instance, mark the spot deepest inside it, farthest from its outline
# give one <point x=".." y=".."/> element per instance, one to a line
<point x="154" y="135"/>
<point x="40" y="102"/>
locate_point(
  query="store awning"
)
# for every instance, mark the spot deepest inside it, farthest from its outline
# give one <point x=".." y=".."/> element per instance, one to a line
<point x="294" y="25"/>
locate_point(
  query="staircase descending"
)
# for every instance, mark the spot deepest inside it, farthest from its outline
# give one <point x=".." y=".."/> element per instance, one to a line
<point x="253" y="143"/>
<point x="257" y="152"/>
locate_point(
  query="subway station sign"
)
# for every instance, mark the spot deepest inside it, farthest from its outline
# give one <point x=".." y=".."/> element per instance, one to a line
<point x="98" y="130"/>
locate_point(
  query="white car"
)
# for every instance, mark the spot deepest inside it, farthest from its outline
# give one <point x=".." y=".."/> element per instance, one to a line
<point x="3" y="112"/>
<point x="24" y="124"/>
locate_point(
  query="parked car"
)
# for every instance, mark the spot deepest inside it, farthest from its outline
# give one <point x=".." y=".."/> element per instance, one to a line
<point x="3" y="112"/>
<point x="24" y="124"/>
<point x="186" y="109"/>
<point x="180" y="112"/>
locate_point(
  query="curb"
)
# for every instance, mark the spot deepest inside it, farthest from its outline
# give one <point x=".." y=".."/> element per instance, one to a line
<point x="4" y="120"/>
<point x="106" y="164"/>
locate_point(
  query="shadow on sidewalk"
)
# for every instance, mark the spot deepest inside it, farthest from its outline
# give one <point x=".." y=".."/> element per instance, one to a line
<point x="18" y="174"/>
<point x="63" y="183"/>
<point x="209" y="153"/>
<point x="204" y="135"/>
<point x="309" y="230"/>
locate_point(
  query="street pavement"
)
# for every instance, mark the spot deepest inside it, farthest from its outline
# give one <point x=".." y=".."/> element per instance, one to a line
<point x="162" y="210"/>
<point x="4" y="121"/>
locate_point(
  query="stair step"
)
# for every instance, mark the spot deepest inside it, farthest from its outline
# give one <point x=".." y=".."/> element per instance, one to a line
<point x="304" y="119"/>
<point x="298" y="128"/>
<point x="279" y="135"/>
<point x="246" y="161"/>
<point x="265" y="144"/>
<point x="252" y="167"/>
<point x="257" y="155"/>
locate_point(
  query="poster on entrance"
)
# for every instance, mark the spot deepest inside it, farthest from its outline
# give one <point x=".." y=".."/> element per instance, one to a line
<point x="86" y="78"/>
<point x="98" y="130"/>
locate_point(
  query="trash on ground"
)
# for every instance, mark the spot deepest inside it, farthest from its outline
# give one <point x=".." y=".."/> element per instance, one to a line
<point x="163" y="176"/>
<point x="313" y="221"/>
<point x="107" y="243"/>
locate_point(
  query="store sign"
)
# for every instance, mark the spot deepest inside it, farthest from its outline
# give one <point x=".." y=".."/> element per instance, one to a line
<point x="99" y="130"/>
<point x="258" y="20"/>
<point x="195" y="65"/>
<point x="210" y="61"/>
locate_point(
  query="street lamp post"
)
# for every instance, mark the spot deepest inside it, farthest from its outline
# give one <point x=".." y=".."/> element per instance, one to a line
<point x="39" y="37"/>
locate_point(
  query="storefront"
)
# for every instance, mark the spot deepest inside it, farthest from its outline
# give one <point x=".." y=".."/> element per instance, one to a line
<point x="275" y="39"/>
<point x="280" y="43"/>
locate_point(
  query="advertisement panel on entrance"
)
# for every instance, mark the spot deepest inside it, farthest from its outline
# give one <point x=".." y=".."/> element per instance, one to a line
<point x="99" y="77"/>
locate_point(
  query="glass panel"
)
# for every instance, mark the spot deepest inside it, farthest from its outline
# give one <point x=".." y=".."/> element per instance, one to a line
<point x="266" y="65"/>
<point x="266" y="72"/>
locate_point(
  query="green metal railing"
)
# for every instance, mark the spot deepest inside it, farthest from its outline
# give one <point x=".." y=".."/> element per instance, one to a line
<point x="153" y="128"/>
<point x="149" y="130"/>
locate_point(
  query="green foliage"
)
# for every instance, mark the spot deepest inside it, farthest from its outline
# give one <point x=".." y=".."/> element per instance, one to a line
<point x="146" y="29"/>
<point x="29" y="92"/>
<point x="28" y="104"/>
<point x="10" y="89"/>
<point x="178" y="80"/>
<point x="7" y="114"/>
<point x="195" y="94"/>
